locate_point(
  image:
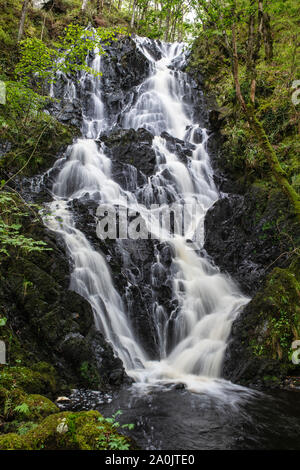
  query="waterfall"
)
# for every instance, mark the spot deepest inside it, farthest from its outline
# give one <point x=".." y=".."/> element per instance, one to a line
<point x="192" y="341"/>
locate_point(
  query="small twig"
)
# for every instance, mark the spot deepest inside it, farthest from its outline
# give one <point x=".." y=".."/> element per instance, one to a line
<point x="36" y="214"/>
<point x="289" y="253"/>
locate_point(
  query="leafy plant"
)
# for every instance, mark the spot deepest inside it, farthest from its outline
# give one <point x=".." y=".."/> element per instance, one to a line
<point x="25" y="427"/>
<point x="12" y="211"/>
<point x="110" y="440"/>
<point x="23" y="409"/>
<point x="3" y="321"/>
<point x="40" y="63"/>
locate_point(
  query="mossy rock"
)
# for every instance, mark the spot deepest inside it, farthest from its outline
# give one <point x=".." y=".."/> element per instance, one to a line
<point x="31" y="381"/>
<point x="260" y="351"/>
<point x="279" y="307"/>
<point x="85" y="430"/>
<point x="39" y="407"/>
<point x="12" y="441"/>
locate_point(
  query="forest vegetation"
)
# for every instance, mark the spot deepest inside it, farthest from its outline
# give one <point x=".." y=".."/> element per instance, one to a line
<point x="245" y="55"/>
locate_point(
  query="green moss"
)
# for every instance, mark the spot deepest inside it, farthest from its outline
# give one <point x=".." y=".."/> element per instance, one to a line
<point x="89" y="374"/>
<point x="279" y="318"/>
<point x="12" y="441"/>
<point x="9" y="399"/>
<point x="47" y="137"/>
<point x="39" y="407"/>
<point x="27" y="379"/>
<point x="81" y="431"/>
<point x="15" y="351"/>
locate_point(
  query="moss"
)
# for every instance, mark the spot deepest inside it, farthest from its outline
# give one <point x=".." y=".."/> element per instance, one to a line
<point x="70" y="431"/>
<point x="278" y="307"/>
<point x="9" y="399"/>
<point x="15" y="351"/>
<point x="12" y="441"/>
<point x="39" y="407"/>
<point x="51" y="136"/>
<point x="27" y="379"/>
<point x="89" y="374"/>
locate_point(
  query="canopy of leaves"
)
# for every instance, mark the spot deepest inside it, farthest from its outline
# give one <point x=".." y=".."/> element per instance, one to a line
<point x="39" y="63"/>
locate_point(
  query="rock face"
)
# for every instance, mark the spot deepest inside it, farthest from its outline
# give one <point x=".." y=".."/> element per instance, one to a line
<point x="143" y="283"/>
<point x="242" y="234"/>
<point x="123" y="67"/>
<point x="53" y="323"/>
<point x="179" y="147"/>
<point x="130" y="150"/>
<point x="259" y="352"/>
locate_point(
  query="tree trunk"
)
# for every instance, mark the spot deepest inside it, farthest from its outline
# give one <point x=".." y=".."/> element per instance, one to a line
<point x="22" y="20"/>
<point x="268" y="39"/>
<point x="261" y="136"/>
<point x="167" y="25"/>
<point x="250" y="53"/>
<point x="84" y="4"/>
<point x="133" y="14"/>
<point x="276" y="169"/>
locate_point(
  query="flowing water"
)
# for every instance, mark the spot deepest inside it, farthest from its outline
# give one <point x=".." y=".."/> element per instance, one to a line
<point x="192" y="345"/>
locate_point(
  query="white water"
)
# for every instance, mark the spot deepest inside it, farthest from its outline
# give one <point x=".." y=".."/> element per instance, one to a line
<point x="208" y="300"/>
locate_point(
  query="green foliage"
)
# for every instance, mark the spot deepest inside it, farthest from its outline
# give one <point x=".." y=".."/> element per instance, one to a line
<point x="212" y="57"/>
<point x="12" y="211"/>
<point x="65" y="430"/>
<point x="34" y="135"/>
<point x="22" y="409"/>
<point x="281" y="328"/>
<point x="89" y="374"/>
<point x="25" y="427"/>
<point x="279" y="318"/>
<point x="113" y="441"/>
<point x="40" y="63"/>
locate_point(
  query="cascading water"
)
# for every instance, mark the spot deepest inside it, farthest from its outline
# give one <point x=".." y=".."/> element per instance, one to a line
<point x="193" y="340"/>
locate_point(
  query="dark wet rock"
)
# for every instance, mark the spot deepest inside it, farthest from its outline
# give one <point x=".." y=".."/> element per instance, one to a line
<point x="4" y="147"/>
<point x="215" y="119"/>
<point x="242" y="234"/>
<point x="53" y="323"/>
<point x="81" y="399"/>
<point x="180" y="386"/>
<point x="133" y="266"/>
<point x="182" y="149"/>
<point x="132" y="156"/>
<point x="259" y="351"/>
<point x="71" y="113"/>
<point x="123" y="67"/>
<point x="153" y="49"/>
<point x="198" y="135"/>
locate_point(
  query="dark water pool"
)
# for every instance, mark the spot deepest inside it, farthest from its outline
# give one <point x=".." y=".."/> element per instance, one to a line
<point x="222" y="417"/>
<point x="173" y="419"/>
